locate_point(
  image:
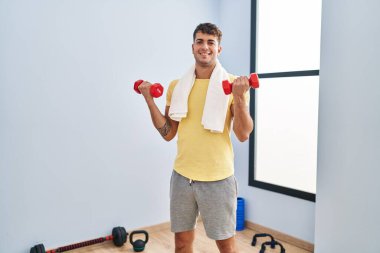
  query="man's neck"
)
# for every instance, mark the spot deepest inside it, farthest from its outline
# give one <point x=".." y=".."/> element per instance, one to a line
<point x="203" y="72"/>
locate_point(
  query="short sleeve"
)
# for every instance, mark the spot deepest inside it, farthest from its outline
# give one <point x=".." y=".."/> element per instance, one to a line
<point x="169" y="93"/>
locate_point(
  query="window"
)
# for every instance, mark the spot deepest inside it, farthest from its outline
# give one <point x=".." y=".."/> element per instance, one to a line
<point x="285" y="51"/>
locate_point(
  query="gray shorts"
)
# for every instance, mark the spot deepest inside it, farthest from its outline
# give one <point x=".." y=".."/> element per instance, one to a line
<point x="215" y="201"/>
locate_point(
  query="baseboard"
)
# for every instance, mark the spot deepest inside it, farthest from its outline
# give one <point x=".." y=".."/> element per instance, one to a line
<point x="162" y="226"/>
<point x="156" y="228"/>
<point x="281" y="236"/>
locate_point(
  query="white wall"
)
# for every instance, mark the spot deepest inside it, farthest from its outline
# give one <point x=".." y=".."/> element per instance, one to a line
<point x="348" y="207"/>
<point x="78" y="152"/>
<point x="277" y="211"/>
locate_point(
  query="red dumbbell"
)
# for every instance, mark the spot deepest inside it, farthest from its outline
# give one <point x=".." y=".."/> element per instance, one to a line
<point x="253" y="82"/>
<point x="156" y="90"/>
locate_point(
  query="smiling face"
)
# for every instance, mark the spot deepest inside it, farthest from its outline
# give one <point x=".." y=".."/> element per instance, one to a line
<point x="206" y="49"/>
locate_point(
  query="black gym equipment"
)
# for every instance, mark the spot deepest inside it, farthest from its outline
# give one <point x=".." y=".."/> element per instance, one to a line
<point x="138" y="245"/>
<point x="272" y="242"/>
<point x="119" y="237"/>
<point x="262" y="250"/>
<point x="254" y="239"/>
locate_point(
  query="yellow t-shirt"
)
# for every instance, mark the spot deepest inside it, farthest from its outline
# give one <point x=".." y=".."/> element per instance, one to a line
<point x="201" y="154"/>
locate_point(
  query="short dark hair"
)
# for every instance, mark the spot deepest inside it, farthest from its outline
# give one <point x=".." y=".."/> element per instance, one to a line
<point x="210" y="29"/>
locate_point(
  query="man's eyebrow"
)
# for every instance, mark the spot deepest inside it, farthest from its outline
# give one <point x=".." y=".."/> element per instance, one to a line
<point x="201" y="40"/>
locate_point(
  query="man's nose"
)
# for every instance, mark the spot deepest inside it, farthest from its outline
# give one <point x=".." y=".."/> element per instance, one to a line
<point x="204" y="46"/>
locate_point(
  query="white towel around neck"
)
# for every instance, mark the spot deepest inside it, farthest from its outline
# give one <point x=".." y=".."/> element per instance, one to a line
<point x="216" y="104"/>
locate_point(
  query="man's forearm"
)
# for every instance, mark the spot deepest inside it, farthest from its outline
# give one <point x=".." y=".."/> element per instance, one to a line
<point x="158" y="118"/>
<point x="160" y="121"/>
<point x="243" y="123"/>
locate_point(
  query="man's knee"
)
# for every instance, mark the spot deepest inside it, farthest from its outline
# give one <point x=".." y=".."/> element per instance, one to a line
<point x="227" y="246"/>
<point x="184" y="239"/>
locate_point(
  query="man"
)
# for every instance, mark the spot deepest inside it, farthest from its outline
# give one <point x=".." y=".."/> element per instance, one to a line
<point x="203" y="177"/>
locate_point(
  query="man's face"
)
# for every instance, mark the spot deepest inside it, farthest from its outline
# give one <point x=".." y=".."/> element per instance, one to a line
<point x="206" y="49"/>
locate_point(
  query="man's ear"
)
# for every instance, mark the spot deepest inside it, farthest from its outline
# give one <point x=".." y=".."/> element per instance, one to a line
<point x="219" y="50"/>
<point x="192" y="48"/>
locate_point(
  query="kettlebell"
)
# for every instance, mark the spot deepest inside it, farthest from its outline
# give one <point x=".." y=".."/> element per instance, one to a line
<point x="138" y="245"/>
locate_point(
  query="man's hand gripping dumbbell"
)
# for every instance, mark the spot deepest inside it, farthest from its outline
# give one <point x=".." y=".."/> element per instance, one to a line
<point x="156" y="90"/>
<point x="253" y="81"/>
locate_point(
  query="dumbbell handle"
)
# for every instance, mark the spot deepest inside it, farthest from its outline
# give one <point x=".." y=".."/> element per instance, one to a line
<point x="253" y="82"/>
<point x="156" y="89"/>
<point x="81" y="244"/>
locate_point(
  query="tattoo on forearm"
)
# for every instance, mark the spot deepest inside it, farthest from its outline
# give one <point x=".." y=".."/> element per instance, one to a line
<point x="165" y="129"/>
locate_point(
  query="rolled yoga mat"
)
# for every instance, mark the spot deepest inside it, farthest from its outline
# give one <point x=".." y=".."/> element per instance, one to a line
<point x="240" y="214"/>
